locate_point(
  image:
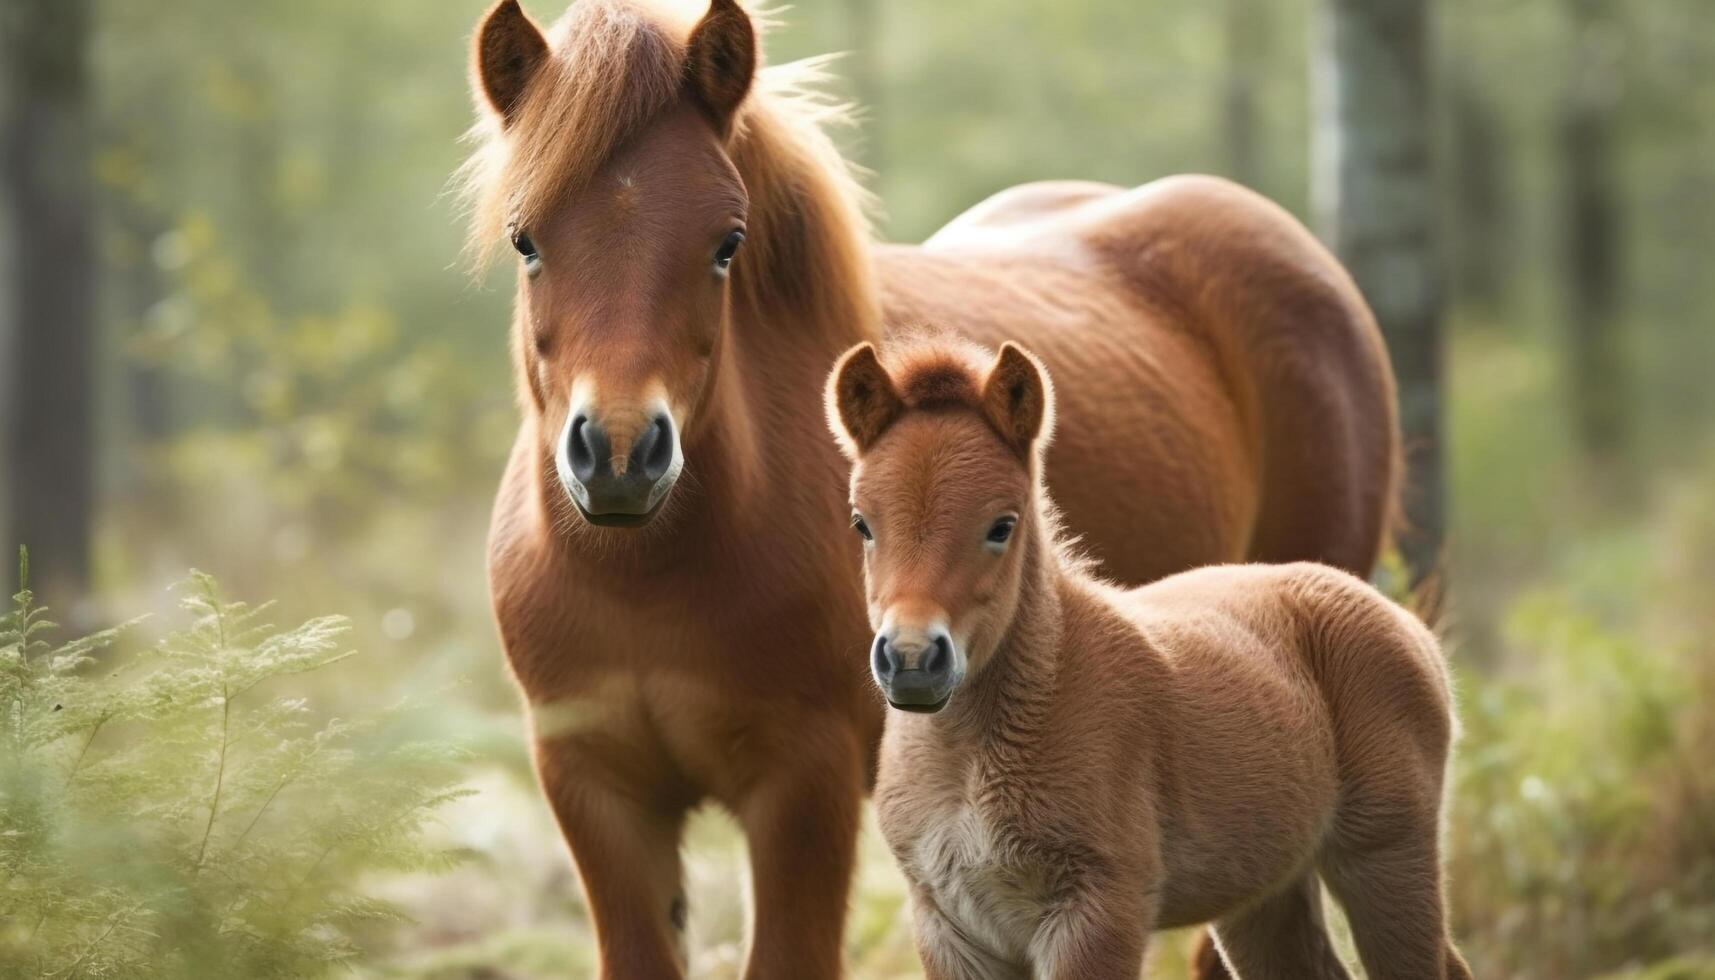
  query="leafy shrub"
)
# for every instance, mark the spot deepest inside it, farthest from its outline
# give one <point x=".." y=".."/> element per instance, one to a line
<point x="164" y="814"/>
<point x="1583" y="824"/>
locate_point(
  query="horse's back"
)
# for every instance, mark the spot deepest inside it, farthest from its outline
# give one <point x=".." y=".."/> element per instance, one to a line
<point x="1021" y="211"/>
<point x="1211" y="358"/>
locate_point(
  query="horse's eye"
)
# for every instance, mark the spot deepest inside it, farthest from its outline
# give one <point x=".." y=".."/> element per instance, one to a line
<point x="861" y="528"/>
<point x="1001" y="531"/>
<point x="729" y="248"/>
<point x="527" y="249"/>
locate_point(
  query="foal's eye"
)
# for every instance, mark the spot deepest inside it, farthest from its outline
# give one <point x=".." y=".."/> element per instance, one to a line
<point x="1001" y="531"/>
<point x="729" y="248"/>
<point x="527" y="249"/>
<point x="862" y="528"/>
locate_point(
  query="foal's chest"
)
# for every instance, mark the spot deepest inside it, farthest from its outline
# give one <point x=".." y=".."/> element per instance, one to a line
<point x="992" y="886"/>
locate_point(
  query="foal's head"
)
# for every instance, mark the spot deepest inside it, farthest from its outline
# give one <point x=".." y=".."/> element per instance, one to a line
<point x="607" y="169"/>
<point x="947" y="452"/>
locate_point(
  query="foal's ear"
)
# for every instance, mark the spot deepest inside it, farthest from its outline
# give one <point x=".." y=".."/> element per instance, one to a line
<point x="509" y="52"/>
<point x="1019" y="398"/>
<point x="862" y="401"/>
<point x="720" y="60"/>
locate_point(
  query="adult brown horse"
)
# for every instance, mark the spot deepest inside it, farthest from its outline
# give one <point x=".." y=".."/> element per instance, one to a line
<point x="674" y="601"/>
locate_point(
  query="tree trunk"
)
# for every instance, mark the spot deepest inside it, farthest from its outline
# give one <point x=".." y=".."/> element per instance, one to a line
<point x="1597" y="379"/>
<point x="45" y="177"/>
<point x="1374" y="194"/>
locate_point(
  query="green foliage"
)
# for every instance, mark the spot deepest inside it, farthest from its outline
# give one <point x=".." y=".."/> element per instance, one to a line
<point x="356" y="410"/>
<point x="1584" y="809"/>
<point x="169" y="814"/>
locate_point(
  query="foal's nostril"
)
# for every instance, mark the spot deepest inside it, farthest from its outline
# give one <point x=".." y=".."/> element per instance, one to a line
<point x="586" y="448"/>
<point x="882" y="658"/>
<point x="653" y="453"/>
<point x="940" y="659"/>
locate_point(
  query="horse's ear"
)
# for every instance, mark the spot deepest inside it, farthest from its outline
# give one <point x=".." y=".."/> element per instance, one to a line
<point x="509" y="51"/>
<point x="862" y="401"/>
<point x="720" y="60"/>
<point x="1019" y="398"/>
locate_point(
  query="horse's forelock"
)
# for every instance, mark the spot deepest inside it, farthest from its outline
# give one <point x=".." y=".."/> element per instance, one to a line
<point x="614" y="65"/>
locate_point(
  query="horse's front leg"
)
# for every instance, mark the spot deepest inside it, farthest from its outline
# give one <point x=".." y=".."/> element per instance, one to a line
<point x="625" y="842"/>
<point x="801" y="820"/>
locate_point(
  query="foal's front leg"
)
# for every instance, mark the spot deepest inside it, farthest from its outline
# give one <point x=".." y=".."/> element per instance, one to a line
<point x="801" y="821"/>
<point x="1094" y="937"/>
<point x="946" y="952"/>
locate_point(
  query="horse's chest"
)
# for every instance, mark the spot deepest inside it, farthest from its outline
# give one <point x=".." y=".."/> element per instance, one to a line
<point x="682" y="685"/>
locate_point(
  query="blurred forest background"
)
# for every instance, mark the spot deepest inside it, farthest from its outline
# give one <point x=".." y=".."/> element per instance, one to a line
<point x="236" y="335"/>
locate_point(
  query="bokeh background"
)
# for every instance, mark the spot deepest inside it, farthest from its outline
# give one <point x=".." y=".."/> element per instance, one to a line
<point x="290" y="381"/>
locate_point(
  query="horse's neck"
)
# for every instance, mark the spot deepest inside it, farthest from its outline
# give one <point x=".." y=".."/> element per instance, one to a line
<point x="764" y="416"/>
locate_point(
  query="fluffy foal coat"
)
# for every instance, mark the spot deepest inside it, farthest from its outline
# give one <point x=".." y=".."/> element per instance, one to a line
<point x="1115" y="761"/>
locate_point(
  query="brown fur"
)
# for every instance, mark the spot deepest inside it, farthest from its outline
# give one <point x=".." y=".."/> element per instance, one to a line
<point x="1116" y="761"/>
<point x="1231" y="400"/>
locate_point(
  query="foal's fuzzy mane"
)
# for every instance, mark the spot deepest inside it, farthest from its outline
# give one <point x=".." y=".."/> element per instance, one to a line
<point x="934" y="370"/>
<point x="614" y="66"/>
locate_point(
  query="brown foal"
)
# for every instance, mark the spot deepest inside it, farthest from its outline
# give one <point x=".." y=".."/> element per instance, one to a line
<point x="1072" y="765"/>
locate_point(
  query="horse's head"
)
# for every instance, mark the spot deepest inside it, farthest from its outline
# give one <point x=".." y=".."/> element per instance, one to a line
<point x="608" y="150"/>
<point x="947" y="452"/>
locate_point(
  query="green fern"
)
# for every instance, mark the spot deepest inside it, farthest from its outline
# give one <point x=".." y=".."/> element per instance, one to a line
<point x="163" y="814"/>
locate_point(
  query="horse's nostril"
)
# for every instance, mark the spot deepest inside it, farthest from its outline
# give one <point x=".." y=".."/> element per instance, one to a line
<point x="653" y="454"/>
<point x="582" y="449"/>
<point x="880" y="658"/>
<point x="940" y="659"/>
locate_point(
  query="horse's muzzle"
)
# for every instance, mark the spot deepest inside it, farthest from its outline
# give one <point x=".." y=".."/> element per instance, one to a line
<point x="618" y="490"/>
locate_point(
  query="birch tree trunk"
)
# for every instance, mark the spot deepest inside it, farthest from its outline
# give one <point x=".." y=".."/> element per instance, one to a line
<point x="48" y="459"/>
<point x="1375" y="199"/>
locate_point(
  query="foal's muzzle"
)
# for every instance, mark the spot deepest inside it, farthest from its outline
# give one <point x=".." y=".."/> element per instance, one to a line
<point x="916" y="668"/>
<point x="623" y="485"/>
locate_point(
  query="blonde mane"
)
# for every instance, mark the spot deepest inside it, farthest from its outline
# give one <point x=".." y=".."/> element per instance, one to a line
<point x="614" y="67"/>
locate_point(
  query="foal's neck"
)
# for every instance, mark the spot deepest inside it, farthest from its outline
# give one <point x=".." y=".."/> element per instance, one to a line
<point x="1009" y="700"/>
